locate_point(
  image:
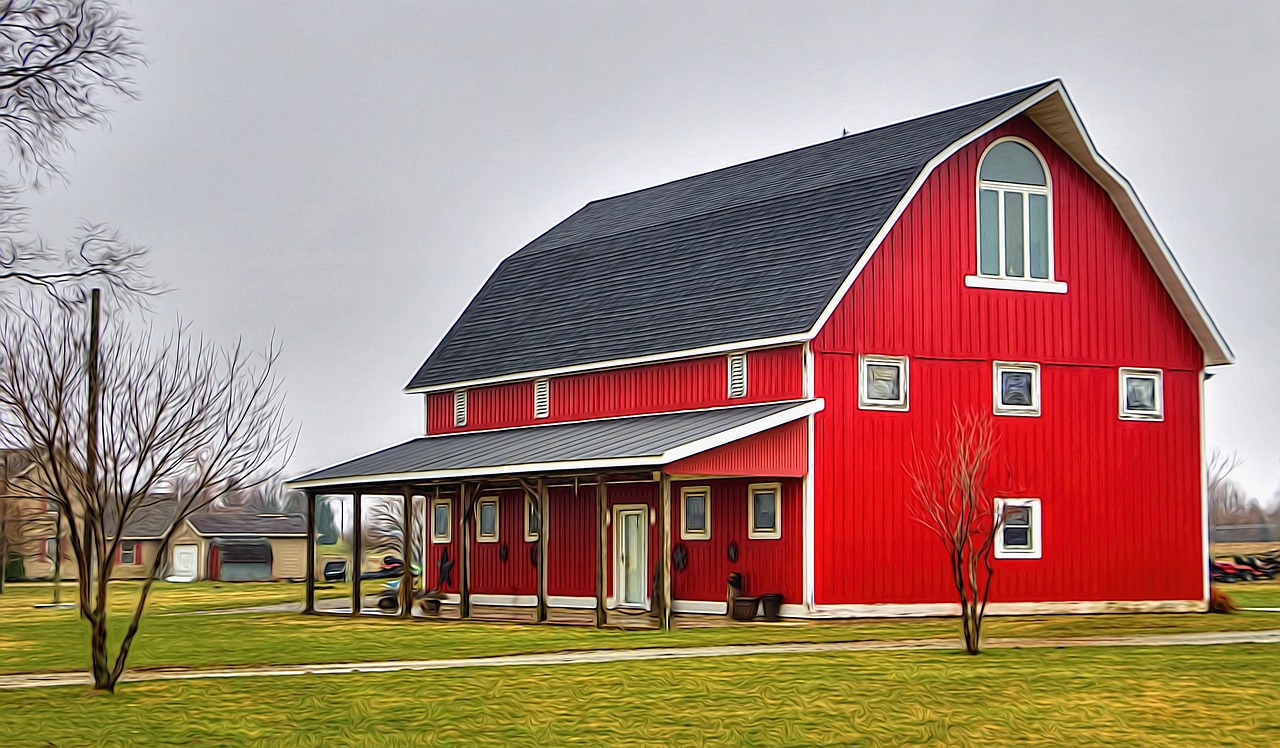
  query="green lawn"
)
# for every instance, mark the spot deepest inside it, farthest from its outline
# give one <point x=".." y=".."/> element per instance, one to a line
<point x="1170" y="696"/>
<point x="47" y="640"/>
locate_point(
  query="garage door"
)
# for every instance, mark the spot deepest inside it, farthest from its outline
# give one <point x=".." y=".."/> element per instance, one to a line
<point x="242" y="560"/>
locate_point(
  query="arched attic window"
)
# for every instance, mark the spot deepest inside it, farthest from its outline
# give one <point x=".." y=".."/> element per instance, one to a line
<point x="1014" y="214"/>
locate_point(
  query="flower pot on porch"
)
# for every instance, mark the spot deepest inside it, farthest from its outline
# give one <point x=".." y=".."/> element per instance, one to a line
<point x="744" y="608"/>
<point x="771" y="607"/>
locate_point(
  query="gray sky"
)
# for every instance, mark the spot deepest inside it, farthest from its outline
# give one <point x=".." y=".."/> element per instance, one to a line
<point x="346" y="175"/>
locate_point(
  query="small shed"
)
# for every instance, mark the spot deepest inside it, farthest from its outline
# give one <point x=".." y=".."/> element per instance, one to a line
<point x="239" y="547"/>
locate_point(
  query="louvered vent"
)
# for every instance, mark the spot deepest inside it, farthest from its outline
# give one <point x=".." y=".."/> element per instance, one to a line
<point x="738" y="375"/>
<point x="460" y="408"/>
<point x="541" y="398"/>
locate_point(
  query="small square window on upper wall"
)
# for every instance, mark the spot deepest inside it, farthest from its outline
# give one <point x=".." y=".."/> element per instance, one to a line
<point x="695" y="513"/>
<point x="460" y="408"/>
<point x="541" y="398"/>
<point x="1016" y="390"/>
<point x="764" y="507"/>
<point x="882" y="382"/>
<point x="1142" y="394"/>
<point x="1019" y="533"/>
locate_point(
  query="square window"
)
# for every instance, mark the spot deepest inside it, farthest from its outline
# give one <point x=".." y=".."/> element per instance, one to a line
<point x="765" y="511"/>
<point x="487" y="521"/>
<point x="532" y="522"/>
<point x="1142" y="394"/>
<point x="1019" y="532"/>
<point x="1017" y="389"/>
<point x="882" y="383"/>
<point x="441" y="521"/>
<point x="128" y="552"/>
<point x="695" y="513"/>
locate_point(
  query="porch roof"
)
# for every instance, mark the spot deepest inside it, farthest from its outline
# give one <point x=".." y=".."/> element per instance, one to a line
<point x="628" y="442"/>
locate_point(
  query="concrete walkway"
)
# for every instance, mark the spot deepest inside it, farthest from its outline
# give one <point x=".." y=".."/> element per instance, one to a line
<point x="39" y="680"/>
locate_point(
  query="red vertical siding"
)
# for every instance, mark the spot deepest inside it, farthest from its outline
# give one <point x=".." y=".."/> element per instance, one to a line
<point x="490" y="574"/>
<point x="773" y="374"/>
<point x="434" y="550"/>
<point x="1115" y="494"/>
<point x="767" y="566"/>
<point x="573" y="543"/>
<point x="781" y="451"/>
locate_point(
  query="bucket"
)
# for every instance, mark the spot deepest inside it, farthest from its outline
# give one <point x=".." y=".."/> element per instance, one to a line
<point x="770" y="607"/>
<point x="744" y="608"/>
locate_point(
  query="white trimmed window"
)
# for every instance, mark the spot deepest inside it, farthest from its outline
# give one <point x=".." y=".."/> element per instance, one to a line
<point x="531" y="520"/>
<point x="1142" y="394"/>
<point x="1015" y="220"/>
<point x="695" y="513"/>
<point x="1016" y="389"/>
<point x="882" y="382"/>
<point x="737" y="375"/>
<point x="441" y="520"/>
<point x="764" y="507"/>
<point x="460" y="408"/>
<point x="1019" y="531"/>
<point x="128" y="552"/>
<point x="487" y="520"/>
<point x="541" y="398"/>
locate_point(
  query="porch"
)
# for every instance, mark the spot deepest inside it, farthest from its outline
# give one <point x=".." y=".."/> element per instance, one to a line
<point x="626" y="522"/>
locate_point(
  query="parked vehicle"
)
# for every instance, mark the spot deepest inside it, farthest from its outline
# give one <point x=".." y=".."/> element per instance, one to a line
<point x="335" y="571"/>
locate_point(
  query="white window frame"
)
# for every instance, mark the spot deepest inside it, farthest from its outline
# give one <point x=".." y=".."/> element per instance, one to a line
<point x="753" y="532"/>
<point x="737" y="384"/>
<point x="997" y="392"/>
<point x="1001" y="281"/>
<point x="1127" y="373"/>
<point x="530" y="530"/>
<point x="497" y="520"/>
<point x="541" y="398"/>
<point x="865" y="401"/>
<point x="447" y="535"/>
<point x="1037" y="545"/>
<point x="705" y="532"/>
<point x="130" y="547"/>
<point x="460" y="408"/>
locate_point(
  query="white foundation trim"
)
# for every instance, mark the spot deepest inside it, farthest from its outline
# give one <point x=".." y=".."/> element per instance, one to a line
<point x="932" y="610"/>
<point x="569" y="601"/>
<point x="707" y="607"/>
<point x="513" y="601"/>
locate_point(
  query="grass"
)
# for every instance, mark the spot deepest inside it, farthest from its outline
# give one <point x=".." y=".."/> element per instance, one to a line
<point x="50" y="640"/>
<point x="1169" y="696"/>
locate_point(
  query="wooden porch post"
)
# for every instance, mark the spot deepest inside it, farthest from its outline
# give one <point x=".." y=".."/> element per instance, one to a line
<point x="310" y="606"/>
<point x="544" y="502"/>
<point x="664" y="544"/>
<point x="464" y="558"/>
<point x="602" y="558"/>
<point x="406" y="574"/>
<point x="357" y="551"/>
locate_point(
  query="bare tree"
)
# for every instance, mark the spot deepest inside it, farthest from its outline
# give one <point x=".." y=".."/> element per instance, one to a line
<point x="1227" y="499"/>
<point x="60" y="63"/>
<point x="952" y="500"/>
<point x="160" y="427"/>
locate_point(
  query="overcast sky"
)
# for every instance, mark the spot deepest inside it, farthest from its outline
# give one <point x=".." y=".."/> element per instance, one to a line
<point x="346" y="175"/>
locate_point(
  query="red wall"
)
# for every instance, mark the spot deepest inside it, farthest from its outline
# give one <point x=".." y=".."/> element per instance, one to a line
<point x="772" y="374"/>
<point x="767" y="566"/>
<point x="1120" y="500"/>
<point x="489" y="573"/>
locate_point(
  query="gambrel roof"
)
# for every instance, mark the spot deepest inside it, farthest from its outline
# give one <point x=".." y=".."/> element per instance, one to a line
<point x="749" y="255"/>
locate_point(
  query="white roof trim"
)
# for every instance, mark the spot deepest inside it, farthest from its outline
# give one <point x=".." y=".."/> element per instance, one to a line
<point x="1054" y="95"/>
<point x="618" y="363"/>
<point x="679" y="452"/>
<point x="1122" y="194"/>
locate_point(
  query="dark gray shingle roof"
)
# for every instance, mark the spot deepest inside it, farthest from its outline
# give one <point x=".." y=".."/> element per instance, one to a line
<point x="747" y="252"/>
<point x="608" y="439"/>
<point x="236" y="523"/>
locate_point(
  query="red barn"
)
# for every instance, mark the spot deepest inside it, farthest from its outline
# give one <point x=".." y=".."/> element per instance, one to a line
<point x="725" y="375"/>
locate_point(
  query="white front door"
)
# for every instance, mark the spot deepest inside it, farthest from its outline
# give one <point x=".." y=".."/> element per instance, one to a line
<point x="631" y="560"/>
<point x="185" y="562"/>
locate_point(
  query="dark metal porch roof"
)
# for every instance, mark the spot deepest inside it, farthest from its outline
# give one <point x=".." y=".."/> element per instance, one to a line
<point x="634" y="441"/>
